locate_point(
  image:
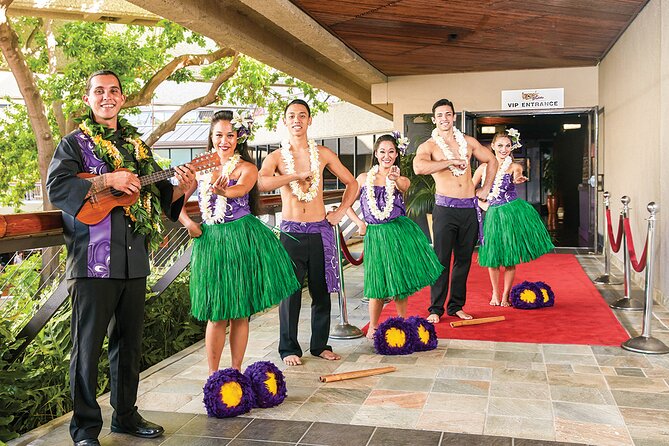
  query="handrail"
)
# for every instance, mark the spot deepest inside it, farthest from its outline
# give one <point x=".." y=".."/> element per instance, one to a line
<point x="48" y="225"/>
<point x="24" y="229"/>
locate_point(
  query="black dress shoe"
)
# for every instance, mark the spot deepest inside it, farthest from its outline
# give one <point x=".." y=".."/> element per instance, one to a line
<point x="141" y="428"/>
<point x="87" y="442"/>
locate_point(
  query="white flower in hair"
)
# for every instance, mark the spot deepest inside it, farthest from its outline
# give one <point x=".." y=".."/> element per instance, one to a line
<point x="243" y="125"/>
<point x="514" y="134"/>
<point x="402" y="142"/>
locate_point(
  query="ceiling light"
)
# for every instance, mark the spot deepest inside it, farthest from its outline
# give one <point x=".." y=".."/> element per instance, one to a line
<point x="571" y="126"/>
<point x="488" y="129"/>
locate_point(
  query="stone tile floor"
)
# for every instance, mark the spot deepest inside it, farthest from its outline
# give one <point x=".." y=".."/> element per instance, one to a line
<point x="462" y="393"/>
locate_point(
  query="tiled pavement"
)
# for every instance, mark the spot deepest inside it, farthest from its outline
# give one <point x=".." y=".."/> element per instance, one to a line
<point x="462" y="393"/>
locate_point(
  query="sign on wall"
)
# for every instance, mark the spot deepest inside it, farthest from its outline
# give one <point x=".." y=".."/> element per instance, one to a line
<point x="532" y="99"/>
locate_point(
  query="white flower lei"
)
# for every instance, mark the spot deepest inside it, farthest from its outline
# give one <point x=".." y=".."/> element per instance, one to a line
<point x="462" y="143"/>
<point x="314" y="166"/>
<point x="221" y="202"/>
<point x="371" y="198"/>
<point x="497" y="184"/>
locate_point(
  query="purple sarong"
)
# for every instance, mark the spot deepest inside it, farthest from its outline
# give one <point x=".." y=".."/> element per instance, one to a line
<point x="331" y="255"/>
<point x="462" y="203"/>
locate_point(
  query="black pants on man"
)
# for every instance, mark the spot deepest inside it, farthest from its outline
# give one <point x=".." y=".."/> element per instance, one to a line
<point x="306" y="251"/>
<point x="101" y="306"/>
<point x="455" y="232"/>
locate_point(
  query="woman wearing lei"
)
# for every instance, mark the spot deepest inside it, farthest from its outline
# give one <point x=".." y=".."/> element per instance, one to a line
<point x="398" y="257"/>
<point x="238" y="266"/>
<point x="513" y="230"/>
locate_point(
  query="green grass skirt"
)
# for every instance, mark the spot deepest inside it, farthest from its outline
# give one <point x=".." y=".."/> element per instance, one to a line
<point x="513" y="233"/>
<point x="238" y="269"/>
<point x="398" y="260"/>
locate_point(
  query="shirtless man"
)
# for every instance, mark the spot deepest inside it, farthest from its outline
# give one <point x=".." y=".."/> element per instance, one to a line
<point x="307" y="234"/>
<point x="456" y="216"/>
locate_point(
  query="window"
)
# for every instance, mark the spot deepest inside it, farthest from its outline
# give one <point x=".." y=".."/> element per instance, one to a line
<point x="365" y="148"/>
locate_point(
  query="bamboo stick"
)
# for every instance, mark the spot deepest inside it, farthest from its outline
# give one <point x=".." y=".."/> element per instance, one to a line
<point x="355" y="374"/>
<point x="482" y="320"/>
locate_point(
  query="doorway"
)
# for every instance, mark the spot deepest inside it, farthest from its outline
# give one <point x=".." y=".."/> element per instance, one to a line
<point x="557" y="155"/>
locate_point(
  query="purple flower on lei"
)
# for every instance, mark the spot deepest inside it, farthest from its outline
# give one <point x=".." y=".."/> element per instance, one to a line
<point x="228" y="384"/>
<point x="268" y="383"/>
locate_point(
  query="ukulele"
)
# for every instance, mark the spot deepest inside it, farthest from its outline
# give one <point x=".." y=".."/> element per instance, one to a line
<point x="99" y="205"/>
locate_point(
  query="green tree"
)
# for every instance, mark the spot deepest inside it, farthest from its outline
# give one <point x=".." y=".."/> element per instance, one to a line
<point x="62" y="57"/>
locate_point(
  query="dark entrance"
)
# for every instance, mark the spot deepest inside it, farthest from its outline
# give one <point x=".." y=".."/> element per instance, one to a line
<point x="557" y="156"/>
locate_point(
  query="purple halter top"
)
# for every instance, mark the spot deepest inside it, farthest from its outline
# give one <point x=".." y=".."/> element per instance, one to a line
<point x="507" y="191"/>
<point x="236" y="207"/>
<point x="380" y="195"/>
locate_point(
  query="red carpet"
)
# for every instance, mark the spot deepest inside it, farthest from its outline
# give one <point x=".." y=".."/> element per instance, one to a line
<point x="580" y="314"/>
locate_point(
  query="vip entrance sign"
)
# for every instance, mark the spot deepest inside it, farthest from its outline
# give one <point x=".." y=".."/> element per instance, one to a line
<point x="533" y="99"/>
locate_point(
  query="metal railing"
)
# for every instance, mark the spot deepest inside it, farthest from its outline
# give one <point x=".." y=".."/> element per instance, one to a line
<point x="27" y="234"/>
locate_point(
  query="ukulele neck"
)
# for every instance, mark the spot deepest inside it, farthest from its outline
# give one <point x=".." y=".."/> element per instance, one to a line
<point x="156" y="176"/>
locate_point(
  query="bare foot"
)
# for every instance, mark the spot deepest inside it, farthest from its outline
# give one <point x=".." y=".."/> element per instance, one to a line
<point x="462" y="315"/>
<point x="505" y="301"/>
<point x="433" y="318"/>
<point x="292" y="360"/>
<point x="370" y="333"/>
<point x="494" y="301"/>
<point x="329" y="355"/>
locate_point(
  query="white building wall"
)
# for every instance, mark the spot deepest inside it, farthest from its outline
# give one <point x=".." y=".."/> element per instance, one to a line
<point x="634" y="95"/>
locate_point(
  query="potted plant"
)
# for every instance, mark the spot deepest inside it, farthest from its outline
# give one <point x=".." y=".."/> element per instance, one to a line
<point x="419" y="198"/>
<point x="548" y="182"/>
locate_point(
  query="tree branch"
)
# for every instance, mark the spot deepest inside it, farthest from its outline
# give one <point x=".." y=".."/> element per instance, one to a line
<point x="32" y="35"/>
<point x="11" y="50"/>
<point x="207" y="99"/>
<point x="143" y="97"/>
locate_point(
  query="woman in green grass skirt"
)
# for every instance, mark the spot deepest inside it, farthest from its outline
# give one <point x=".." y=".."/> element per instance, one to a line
<point x="513" y="232"/>
<point x="238" y="265"/>
<point x="398" y="257"/>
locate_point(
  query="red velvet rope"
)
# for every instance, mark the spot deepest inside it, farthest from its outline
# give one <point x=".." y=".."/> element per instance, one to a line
<point x="615" y="241"/>
<point x="641" y="264"/>
<point x="347" y="254"/>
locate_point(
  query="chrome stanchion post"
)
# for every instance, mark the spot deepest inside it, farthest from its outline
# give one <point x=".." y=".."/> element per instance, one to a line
<point x="646" y="343"/>
<point x="607" y="278"/>
<point x="626" y="302"/>
<point x="343" y="330"/>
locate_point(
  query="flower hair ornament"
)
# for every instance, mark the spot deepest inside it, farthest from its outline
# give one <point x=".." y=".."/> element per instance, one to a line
<point x="514" y="135"/>
<point x="243" y="125"/>
<point x="402" y="142"/>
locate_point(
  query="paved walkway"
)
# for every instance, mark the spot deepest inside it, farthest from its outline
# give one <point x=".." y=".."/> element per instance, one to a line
<point x="462" y="393"/>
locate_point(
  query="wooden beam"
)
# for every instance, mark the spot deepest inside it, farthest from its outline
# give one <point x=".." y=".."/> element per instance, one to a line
<point x="237" y="25"/>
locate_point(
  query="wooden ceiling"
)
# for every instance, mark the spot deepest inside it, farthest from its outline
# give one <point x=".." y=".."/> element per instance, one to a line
<point x="406" y="37"/>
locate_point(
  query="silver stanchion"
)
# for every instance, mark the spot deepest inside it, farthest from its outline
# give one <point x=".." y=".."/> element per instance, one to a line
<point x="646" y="343"/>
<point x="607" y="278"/>
<point x="626" y="302"/>
<point x="343" y="330"/>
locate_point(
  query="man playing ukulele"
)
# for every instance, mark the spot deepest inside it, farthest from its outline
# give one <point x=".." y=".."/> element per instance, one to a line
<point x="107" y="263"/>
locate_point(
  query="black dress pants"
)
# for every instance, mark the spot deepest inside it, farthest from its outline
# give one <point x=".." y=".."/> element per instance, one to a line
<point x="105" y="306"/>
<point x="306" y="252"/>
<point x="455" y="234"/>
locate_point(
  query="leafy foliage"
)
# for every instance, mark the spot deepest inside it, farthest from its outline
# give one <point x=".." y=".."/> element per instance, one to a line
<point x="36" y="389"/>
<point x="18" y="156"/>
<point x="420" y="196"/>
<point x="269" y="89"/>
<point x="136" y="54"/>
<point x="548" y="179"/>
